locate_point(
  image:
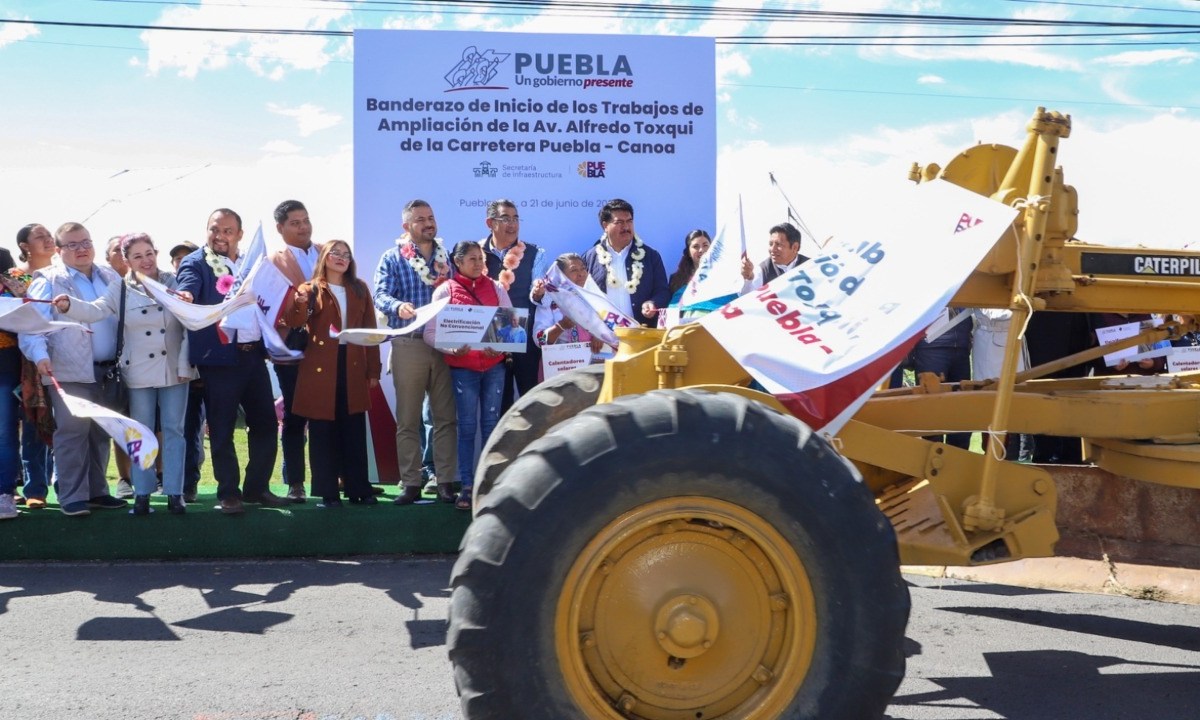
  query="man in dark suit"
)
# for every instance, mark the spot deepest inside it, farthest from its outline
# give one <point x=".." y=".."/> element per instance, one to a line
<point x="234" y="373"/>
<point x="628" y="270"/>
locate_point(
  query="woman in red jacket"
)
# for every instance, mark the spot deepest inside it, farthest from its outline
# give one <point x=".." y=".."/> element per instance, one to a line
<point x="478" y="375"/>
<point x="333" y="387"/>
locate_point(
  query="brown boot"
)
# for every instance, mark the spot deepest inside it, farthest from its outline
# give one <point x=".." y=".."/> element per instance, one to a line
<point x="411" y="494"/>
<point x="445" y="492"/>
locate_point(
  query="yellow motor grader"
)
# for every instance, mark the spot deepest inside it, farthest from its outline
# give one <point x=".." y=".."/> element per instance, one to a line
<point x="656" y="539"/>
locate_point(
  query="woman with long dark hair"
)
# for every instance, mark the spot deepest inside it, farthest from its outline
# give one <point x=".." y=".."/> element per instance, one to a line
<point x="695" y="244"/>
<point x="336" y="378"/>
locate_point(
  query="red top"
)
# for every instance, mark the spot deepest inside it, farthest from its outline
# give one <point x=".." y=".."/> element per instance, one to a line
<point x="480" y="291"/>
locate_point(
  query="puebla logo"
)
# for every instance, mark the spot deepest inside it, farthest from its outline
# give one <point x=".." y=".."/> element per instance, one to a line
<point x="476" y="70"/>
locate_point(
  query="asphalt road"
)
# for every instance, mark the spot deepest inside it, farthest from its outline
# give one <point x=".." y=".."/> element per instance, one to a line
<point x="364" y="639"/>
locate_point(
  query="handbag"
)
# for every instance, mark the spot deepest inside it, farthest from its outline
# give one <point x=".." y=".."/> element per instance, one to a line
<point x="114" y="392"/>
<point x="297" y="337"/>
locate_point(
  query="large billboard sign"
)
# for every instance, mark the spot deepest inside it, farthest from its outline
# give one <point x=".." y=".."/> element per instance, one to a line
<point x="557" y="123"/>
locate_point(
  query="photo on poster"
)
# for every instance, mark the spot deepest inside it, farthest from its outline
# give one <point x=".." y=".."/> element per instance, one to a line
<point x="480" y="327"/>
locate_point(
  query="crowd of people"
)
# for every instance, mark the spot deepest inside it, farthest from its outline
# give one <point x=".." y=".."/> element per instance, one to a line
<point x="187" y="384"/>
<point x="191" y="384"/>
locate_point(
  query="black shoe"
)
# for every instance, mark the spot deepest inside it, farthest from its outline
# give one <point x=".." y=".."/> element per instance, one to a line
<point x="411" y="494"/>
<point x="330" y="503"/>
<point x="107" y="502"/>
<point x="141" y="505"/>
<point x="296" y="494"/>
<point x="445" y="493"/>
<point x="377" y="489"/>
<point x="365" y="500"/>
<point x="176" y="505"/>
<point x="189" y="496"/>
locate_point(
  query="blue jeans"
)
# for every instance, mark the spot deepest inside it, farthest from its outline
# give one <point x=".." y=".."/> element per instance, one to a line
<point x="37" y="459"/>
<point x="476" y="394"/>
<point x="171" y="404"/>
<point x="10" y="445"/>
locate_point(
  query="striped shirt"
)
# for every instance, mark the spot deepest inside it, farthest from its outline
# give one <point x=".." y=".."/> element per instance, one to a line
<point x="396" y="282"/>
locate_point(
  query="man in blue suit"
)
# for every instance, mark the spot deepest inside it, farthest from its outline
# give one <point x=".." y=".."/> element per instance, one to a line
<point x="628" y="270"/>
<point x="234" y="373"/>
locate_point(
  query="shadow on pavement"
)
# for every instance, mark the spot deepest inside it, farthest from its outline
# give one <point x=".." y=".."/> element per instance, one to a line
<point x="405" y="580"/>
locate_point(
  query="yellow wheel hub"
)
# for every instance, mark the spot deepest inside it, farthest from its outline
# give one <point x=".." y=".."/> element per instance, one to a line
<point x="688" y="607"/>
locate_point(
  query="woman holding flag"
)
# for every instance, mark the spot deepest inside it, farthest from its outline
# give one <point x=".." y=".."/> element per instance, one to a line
<point x="153" y="362"/>
<point x="337" y="378"/>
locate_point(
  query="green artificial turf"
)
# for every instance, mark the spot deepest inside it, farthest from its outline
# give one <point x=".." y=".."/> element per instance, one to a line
<point x="204" y="532"/>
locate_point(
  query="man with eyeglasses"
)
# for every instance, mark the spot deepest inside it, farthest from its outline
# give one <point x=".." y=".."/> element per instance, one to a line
<point x="628" y="270"/>
<point x="234" y="373"/>
<point x="503" y="250"/>
<point x="296" y="261"/>
<point x="77" y="360"/>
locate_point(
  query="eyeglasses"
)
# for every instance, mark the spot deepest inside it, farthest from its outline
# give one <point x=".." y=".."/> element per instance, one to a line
<point x="77" y="246"/>
<point x="507" y="219"/>
<point x="340" y="255"/>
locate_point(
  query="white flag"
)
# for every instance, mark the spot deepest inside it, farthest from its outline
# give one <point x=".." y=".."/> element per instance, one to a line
<point x="269" y="288"/>
<point x="193" y="317"/>
<point x="248" y="260"/>
<point x="719" y="274"/>
<point x="19" y="316"/>
<point x="823" y="335"/>
<point x="588" y="306"/>
<point x="378" y="336"/>
<point x="137" y="440"/>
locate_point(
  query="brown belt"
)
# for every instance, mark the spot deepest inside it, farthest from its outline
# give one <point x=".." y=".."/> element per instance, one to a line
<point x="248" y="347"/>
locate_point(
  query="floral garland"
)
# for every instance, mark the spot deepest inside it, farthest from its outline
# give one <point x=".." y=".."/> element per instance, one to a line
<point x="512" y="259"/>
<point x="635" y="273"/>
<point x="441" y="262"/>
<point x="219" y="267"/>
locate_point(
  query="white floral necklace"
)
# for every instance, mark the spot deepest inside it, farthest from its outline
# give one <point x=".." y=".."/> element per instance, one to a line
<point x="441" y="262"/>
<point x="635" y="272"/>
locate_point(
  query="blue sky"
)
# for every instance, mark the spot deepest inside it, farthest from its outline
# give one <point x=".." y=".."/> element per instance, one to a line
<point x="149" y="130"/>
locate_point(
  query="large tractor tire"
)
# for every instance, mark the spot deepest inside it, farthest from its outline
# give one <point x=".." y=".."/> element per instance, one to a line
<point x="533" y="415"/>
<point x="678" y="555"/>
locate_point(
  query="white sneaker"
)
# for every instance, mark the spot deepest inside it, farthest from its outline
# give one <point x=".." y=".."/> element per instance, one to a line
<point x="8" y="507"/>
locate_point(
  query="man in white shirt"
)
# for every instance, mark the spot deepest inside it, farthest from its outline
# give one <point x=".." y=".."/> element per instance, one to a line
<point x="628" y="270"/>
<point x="296" y="262"/>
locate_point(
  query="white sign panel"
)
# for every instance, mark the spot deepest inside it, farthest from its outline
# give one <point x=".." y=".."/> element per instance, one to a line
<point x="561" y="358"/>
<point x="557" y="123"/>
<point x="1184" y="359"/>
<point x="482" y="326"/>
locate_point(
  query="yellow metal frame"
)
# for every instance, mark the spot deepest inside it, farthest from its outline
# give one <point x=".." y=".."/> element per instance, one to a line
<point x="950" y="506"/>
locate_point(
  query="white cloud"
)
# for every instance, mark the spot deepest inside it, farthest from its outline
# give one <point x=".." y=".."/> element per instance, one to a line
<point x="731" y="64"/>
<point x="931" y="80"/>
<point x="16" y="32"/>
<point x="270" y="56"/>
<point x="175" y="207"/>
<point x="1140" y="58"/>
<point x="281" y="147"/>
<point x="309" y="118"/>
<point x="847" y="186"/>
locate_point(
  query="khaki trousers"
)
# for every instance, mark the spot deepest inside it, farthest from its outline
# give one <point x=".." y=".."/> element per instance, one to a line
<point x="418" y="369"/>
